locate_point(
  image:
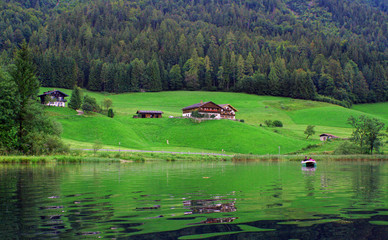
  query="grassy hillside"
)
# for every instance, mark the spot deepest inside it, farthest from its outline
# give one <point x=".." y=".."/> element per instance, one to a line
<point x="210" y="136"/>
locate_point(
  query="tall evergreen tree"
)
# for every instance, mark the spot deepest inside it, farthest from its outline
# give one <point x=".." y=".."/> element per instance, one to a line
<point x="8" y="113"/>
<point x="249" y="63"/>
<point x="277" y="77"/>
<point x="240" y="68"/>
<point x="23" y="74"/>
<point x="175" y="75"/>
<point x="75" y="99"/>
<point x="35" y="133"/>
<point x="137" y="74"/>
<point x="153" y="79"/>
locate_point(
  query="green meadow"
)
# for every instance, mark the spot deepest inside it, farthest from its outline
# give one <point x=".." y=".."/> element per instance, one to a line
<point x="218" y="136"/>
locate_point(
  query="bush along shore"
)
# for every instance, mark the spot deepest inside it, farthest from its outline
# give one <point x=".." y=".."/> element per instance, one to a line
<point x="356" y="157"/>
<point x="124" y="157"/>
<point x="80" y="157"/>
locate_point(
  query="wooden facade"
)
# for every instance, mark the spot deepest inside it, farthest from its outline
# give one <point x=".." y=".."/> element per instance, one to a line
<point x="149" y="114"/>
<point x="228" y="111"/>
<point x="53" y="98"/>
<point x="210" y="109"/>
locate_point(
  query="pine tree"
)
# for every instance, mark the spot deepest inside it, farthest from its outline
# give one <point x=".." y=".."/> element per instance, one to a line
<point x="360" y="88"/>
<point x="153" y="79"/>
<point x="175" y="76"/>
<point x="208" y="73"/>
<point x="249" y="63"/>
<point x="277" y="77"/>
<point x="137" y="75"/>
<point x="240" y="68"/>
<point x="75" y="99"/>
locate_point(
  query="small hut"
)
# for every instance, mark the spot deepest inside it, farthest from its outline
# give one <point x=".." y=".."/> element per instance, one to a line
<point x="326" y="136"/>
<point x="149" y="114"/>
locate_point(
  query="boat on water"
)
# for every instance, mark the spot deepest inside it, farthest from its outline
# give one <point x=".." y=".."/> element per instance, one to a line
<point x="309" y="163"/>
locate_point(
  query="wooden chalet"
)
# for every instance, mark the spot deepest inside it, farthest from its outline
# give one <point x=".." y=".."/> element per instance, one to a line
<point x="228" y="111"/>
<point x="53" y="98"/>
<point x="326" y="136"/>
<point x="208" y="108"/>
<point x="223" y="111"/>
<point x="149" y="114"/>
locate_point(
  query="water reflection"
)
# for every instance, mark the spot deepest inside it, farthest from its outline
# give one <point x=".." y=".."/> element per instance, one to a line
<point x="216" y="220"/>
<point x="273" y="201"/>
<point x="209" y="206"/>
<point x="308" y="170"/>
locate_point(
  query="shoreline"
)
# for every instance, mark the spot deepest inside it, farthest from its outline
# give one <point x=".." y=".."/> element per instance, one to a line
<point x="153" y="156"/>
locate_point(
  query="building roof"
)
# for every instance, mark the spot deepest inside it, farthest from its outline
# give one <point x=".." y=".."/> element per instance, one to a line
<point x="151" y="112"/>
<point x="329" y="135"/>
<point x="53" y="91"/>
<point x="224" y="105"/>
<point x="197" y="105"/>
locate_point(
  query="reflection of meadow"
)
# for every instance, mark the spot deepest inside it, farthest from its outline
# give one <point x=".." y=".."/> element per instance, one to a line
<point x="120" y="200"/>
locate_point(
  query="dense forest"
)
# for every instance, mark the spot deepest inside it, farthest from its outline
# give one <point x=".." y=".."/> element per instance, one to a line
<point x="329" y="50"/>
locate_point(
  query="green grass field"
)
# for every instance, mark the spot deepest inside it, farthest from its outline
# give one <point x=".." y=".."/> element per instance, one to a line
<point x="211" y="136"/>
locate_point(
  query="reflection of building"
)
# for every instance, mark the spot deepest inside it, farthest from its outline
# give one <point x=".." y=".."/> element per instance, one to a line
<point x="217" y="220"/>
<point x="208" y="206"/>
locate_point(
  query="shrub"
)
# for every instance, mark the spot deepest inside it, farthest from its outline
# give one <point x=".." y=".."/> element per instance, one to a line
<point x="268" y="123"/>
<point x="90" y="104"/>
<point x="277" y="123"/>
<point x="87" y="107"/>
<point x="327" y="99"/>
<point x="196" y="114"/>
<point x="347" y="148"/>
<point x="97" y="146"/>
<point x="111" y="113"/>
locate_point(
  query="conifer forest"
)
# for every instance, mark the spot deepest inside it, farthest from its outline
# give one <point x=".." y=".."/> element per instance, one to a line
<point x="327" y="50"/>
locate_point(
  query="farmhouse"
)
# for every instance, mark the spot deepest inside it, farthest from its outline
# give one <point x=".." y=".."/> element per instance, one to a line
<point x="149" y="114"/>
<point x="326" y="136"/>
<point x="228" y="111"/>
<point x="211" y="110"/>
<point x="53" y="98"/>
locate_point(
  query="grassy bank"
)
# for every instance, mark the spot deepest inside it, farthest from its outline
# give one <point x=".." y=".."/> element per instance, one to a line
<point x="222" y="136"/>
<point x="358" y="157"/>
<point x="122" y="157"/>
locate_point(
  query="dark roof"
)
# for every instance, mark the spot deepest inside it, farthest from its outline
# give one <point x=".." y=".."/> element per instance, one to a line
<point x="329" y="135"/>
<point x="53" y="91"/>
<point x="224" y="105"/>
<point x="152" y="112"/>
<point x="197" y="105"/>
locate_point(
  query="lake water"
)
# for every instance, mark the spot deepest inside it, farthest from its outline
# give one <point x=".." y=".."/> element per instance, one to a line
<point x="193" y="200"/>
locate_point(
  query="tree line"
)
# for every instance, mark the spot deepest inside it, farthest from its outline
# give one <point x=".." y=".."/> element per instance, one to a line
<point x="330" y="50"/>
<point x="24" y="126"/>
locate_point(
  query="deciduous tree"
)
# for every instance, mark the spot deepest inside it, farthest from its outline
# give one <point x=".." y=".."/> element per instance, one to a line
<point x="309" y="131"/>
<point x="366" y="132"/>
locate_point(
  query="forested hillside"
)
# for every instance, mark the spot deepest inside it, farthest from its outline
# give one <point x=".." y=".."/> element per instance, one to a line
<point x="319" y="49"/>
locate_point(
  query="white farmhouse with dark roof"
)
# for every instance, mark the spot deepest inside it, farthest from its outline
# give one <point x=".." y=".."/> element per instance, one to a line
<point x="53" y="98"/>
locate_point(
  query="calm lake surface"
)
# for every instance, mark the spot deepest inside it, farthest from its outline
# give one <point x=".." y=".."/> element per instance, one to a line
<point x="193" y="200"/>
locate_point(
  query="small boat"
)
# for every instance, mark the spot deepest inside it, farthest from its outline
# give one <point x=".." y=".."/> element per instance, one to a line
<point x="309" y="163"/>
